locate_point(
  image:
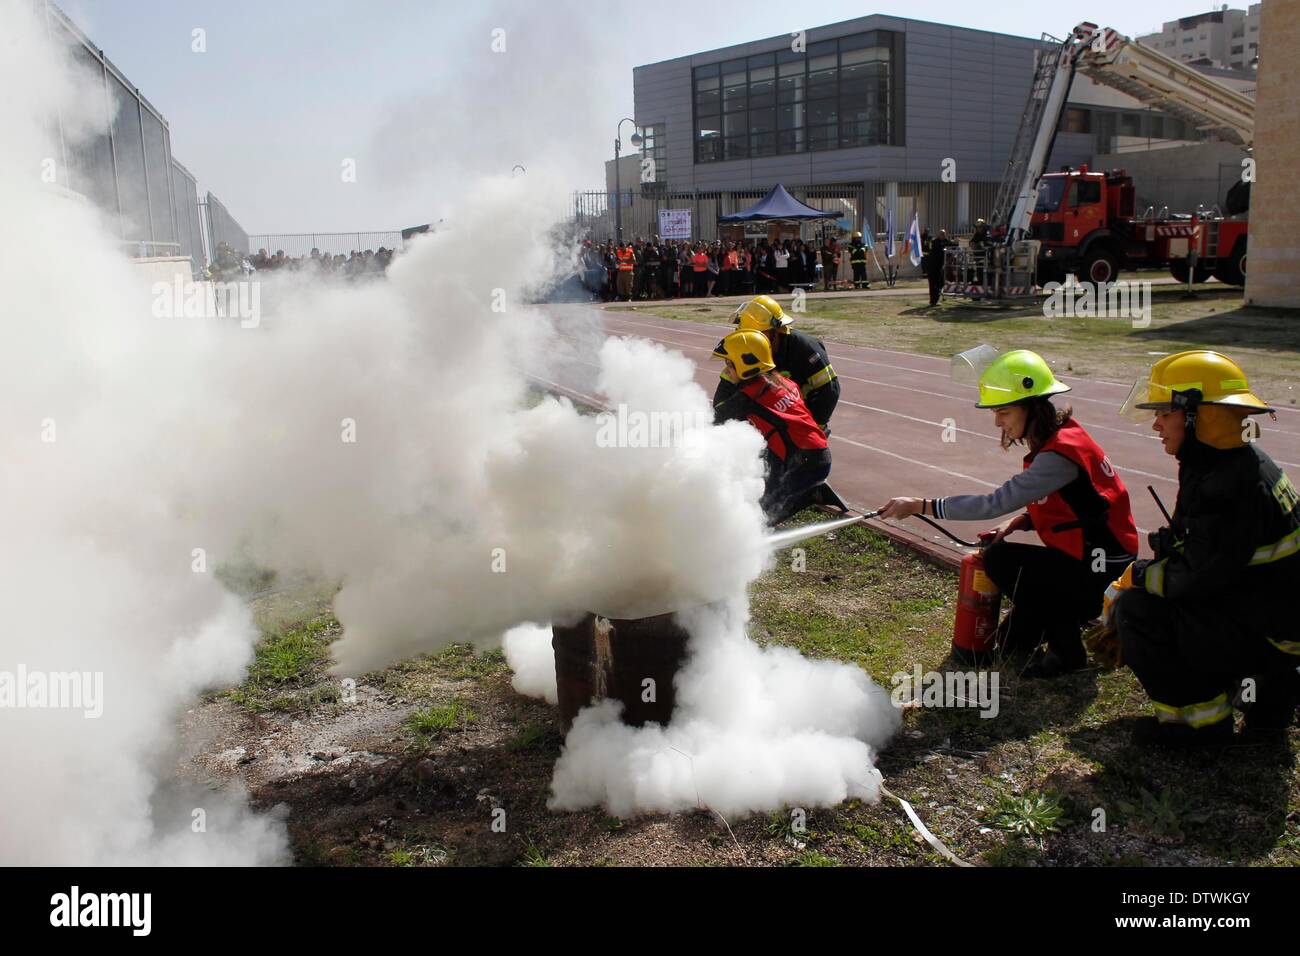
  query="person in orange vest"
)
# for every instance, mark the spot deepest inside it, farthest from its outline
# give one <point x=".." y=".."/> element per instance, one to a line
<point x="1072" y="498"/>
<point x="626" y="265"/>
<point x="700" y="271"/>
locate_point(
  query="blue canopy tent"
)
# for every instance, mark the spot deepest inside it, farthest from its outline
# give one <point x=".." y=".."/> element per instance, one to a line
<point x="779" y="204"/>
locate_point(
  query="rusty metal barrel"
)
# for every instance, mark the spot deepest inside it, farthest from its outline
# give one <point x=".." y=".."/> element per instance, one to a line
<point x="603" y="658"/>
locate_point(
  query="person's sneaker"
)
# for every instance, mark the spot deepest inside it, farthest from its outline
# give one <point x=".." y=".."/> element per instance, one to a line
<point x="1050" y="664"/>
<point x="1151" y="732"/>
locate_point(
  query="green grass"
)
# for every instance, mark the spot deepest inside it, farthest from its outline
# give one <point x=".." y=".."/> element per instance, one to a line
<point x="426" y="675"/>
<point x="432" y="721"/>
<point x="288" y="669"/>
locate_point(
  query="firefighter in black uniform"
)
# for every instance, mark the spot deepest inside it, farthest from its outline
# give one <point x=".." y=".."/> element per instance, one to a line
<point x="1213" y="614"/>
<point x="650" y="260"/>
<point x="799" y="357"/>
<point x="933" y="264"/>
<point x="858" y="260"/>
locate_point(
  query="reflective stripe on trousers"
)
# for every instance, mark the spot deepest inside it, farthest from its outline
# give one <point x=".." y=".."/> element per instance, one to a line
<point x="1195" y="715"/>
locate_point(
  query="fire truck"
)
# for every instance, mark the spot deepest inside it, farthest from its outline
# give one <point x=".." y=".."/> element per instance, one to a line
<point x="1084" y="222"/>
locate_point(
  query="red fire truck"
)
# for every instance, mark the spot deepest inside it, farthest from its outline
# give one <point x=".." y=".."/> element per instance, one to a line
<point x="1046" y="226"/>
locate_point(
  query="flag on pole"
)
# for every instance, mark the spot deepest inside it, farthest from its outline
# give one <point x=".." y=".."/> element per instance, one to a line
<point x="914" y="241"/>
<point x="889" y="233"/>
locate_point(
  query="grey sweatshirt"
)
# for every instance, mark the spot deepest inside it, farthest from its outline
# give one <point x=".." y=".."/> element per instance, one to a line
<point x="1048" y="472"/>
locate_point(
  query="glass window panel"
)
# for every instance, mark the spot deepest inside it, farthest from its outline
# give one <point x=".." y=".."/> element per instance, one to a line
<point x="762" y="144"/>
<point x="738" y="147"/>
<point x="786" y="57"/>
<point x="762" y="121"/>
<point x="796" y="67"/>
<point x="707" y="102"/>
<point x="761" y="74"/>
<point x="822" y="48"/>
<point x="735" y="124"/>
<point x="790" y="117"/>
<point x="823" y="137"/>
<point x="710" y="70"/>
<point x="790" y="141"/>
<point x="823" y="111"/>
<point x="706" y="83"/>
<point x="761" y="98"/>
<point x="790" y="89"/>
<point x="733" y="66"/>
<point x="761" y="60"/>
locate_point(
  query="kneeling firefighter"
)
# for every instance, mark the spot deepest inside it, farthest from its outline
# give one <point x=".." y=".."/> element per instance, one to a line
<point x="1073" y="499"/>
<point x="798" y="459"/>
<point x="1217" y="602"/>
<point x="799" y="357"/>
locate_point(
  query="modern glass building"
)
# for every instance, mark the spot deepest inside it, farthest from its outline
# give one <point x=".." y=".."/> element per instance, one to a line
<point x="869" y="116"/>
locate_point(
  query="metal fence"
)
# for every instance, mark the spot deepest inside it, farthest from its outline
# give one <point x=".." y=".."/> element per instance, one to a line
<point x="222" y="227"/>
<point x="296" y="244"/>
<point x="189" y="226"/>
<point x="863" y="206"/>
<point x="951" y="206"/>
<point x="124" y="163"/>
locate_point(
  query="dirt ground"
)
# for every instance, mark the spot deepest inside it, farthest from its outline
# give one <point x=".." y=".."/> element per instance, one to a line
<point x="437" y="761"/>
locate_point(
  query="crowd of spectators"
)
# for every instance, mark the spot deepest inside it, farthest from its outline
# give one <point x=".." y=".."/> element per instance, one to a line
<point x="355" y="263"/>
<point x="666" y="269"/>
<point x="230" y="264"/>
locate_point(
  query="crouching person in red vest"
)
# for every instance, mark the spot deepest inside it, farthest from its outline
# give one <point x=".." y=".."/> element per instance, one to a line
<point x="1072" y="497"/>
<point x="798" y="459"/>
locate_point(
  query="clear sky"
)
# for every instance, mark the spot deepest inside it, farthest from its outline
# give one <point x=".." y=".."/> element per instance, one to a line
<point x="412" y="91"/>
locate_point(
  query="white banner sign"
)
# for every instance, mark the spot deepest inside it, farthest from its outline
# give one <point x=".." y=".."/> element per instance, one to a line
<point x="674" y="224"/>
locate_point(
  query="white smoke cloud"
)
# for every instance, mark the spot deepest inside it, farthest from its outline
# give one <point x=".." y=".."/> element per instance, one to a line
<point x="528" y="652"/>
<point x="135" y="446"/>
<point x="754" y="729"/>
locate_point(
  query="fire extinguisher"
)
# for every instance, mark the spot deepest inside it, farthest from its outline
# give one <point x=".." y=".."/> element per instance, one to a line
<point x="975" y="628"/>
<point x="979" y="602"/>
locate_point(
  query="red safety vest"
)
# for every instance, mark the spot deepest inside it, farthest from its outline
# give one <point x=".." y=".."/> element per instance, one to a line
<point x="782" y="418"/>
<point x="626" y="259"/>
<point x="1056" y="521"/>
<point x="700" y="262"/>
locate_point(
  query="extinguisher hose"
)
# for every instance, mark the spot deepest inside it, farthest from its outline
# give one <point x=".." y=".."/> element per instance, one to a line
<point x="948" y="534"/>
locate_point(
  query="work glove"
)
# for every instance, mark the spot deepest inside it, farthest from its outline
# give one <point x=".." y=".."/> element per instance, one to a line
<point x="1164" y="543"/>
<point x="1102" y="639"/>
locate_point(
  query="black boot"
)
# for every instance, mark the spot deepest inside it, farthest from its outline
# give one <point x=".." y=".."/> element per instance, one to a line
<point x="1276" y="699"/>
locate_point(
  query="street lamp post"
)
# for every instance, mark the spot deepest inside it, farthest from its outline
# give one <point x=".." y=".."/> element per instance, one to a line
<point x="618" y="185"/>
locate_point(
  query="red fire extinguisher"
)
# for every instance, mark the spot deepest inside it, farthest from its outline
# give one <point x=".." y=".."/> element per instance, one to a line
<point x="974" y="629"/>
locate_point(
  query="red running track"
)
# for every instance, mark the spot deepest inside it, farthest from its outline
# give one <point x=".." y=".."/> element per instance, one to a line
<point x="887" y="435"/>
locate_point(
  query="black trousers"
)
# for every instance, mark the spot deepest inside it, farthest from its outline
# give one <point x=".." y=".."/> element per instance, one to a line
<point x="859" y="275"/>
<point x="936" y="286"/>
<point x="1052" y="594"/>
<point x="1190" y="656"/>
<point x="790" y="482"/>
